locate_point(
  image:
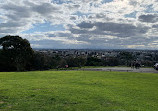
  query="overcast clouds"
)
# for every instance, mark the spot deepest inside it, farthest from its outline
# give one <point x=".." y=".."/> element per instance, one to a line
<point x="96" y="24"/>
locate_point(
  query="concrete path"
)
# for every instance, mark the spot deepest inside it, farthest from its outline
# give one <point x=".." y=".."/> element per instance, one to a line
<point x="123" y="69"/>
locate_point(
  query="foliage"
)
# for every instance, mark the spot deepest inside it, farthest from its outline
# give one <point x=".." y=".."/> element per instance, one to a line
<point x="126" y="58"/>
<point x="93" y="61"/>
<point x="16" y="52"/>
<point x="76" y="61"/>
<point x="5" y="62"/>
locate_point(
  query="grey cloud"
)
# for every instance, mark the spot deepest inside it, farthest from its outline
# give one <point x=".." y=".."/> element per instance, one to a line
<point x="45" y="9"/>
<point x="100" y="15"/>
<point x="85" y="25"/>
<point x="48" y="44"/>
<point x="91" y="16"/>
<point x="125" y="34"/>
<point x="73" y="6"/>
<point x="138" y="41"/>
<point x="8" y="31"/>
<point x="13" y="7"/>
<point x="114" y="42"/>
<point x="150" y="18"/>
<point x="79" y="31"/>
<point x="11" y="27"/>
<point x="11" y="24"/>
<point x="56" y="44"/>
<point x="59" y="34"/>
<point x="97" y="43"/>
<point x="122" y="29"/>
<point x="22" y="15"/>
<point x="72" y="18"/>
<point x="134" y="3"/>
<point x="27" y="10"/>
<point x="155" y="26"/>
<point x="114" y="29"/>
<point x="17" y="12"/>
<point x="51" y="35"/>
<point x="17" y="16"/>
<point x="64" y="34"/>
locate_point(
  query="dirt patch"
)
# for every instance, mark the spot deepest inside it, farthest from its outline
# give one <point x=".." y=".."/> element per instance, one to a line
<point x="2" y="102"/>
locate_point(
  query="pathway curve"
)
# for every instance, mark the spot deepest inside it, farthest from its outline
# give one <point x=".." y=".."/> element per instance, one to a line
<point x="123" y="69"/>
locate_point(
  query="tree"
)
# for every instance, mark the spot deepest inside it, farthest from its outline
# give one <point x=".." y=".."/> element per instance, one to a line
<point x="17" y="51"/>
<point x="93" y="61"/>
<point x="126" y="58"/>
<point x="42" y="61"/>
<point x="76" y="61"/>
<point x="5" y="63"/>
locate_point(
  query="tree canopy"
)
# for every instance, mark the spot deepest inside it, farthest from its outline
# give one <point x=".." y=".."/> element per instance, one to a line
<point x="17" y="52"/>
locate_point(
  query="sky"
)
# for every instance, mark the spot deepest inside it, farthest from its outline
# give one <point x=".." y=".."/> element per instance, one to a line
<point x="82" y="24"/>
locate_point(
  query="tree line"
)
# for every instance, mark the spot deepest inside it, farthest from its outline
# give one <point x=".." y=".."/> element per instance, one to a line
<point x="16" y="54"/>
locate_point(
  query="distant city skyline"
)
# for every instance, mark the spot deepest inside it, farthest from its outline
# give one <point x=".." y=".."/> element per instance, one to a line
<point x="82" y="24"/>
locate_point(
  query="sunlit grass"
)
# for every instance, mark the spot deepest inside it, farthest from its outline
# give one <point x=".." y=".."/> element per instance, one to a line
<point x="78" y="91"/>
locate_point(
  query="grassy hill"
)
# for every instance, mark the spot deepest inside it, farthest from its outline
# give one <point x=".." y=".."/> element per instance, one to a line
<point x="78" y="91"/>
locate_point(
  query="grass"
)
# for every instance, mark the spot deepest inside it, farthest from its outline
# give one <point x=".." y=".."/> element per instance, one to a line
<point x="78" y="91"/>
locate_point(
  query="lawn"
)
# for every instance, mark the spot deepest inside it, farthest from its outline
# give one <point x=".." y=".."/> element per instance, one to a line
<point x="78" y="91"/>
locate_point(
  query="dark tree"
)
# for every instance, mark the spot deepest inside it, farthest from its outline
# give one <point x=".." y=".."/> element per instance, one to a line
<point x="93" y="61"/>
<point x="42" y="61"/>
<point x="76" y="62"/>
<point x="125" y="58"/>
<point x="17" y="51"/>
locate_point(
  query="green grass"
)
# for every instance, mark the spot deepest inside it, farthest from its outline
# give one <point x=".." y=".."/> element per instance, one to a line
<point x="78" y="91"/>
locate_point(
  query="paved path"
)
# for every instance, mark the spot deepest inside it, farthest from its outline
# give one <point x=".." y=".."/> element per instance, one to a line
<point x="123" y="69"/>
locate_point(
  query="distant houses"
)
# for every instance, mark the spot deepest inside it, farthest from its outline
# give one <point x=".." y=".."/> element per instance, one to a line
<point x="146" y="57"/>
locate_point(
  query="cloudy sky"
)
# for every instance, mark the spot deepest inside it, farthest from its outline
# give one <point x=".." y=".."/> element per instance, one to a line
<point x="95" y="24"/>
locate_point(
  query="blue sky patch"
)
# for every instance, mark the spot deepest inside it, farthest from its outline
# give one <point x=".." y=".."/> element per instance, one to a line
<point x="45" y="27"/>
<point x="60" y="1"/>
<point x="106" y="1"/>
<point x="149" y="9"/>
<point x="78" y="13"/>
<point x="131" y="15"/>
